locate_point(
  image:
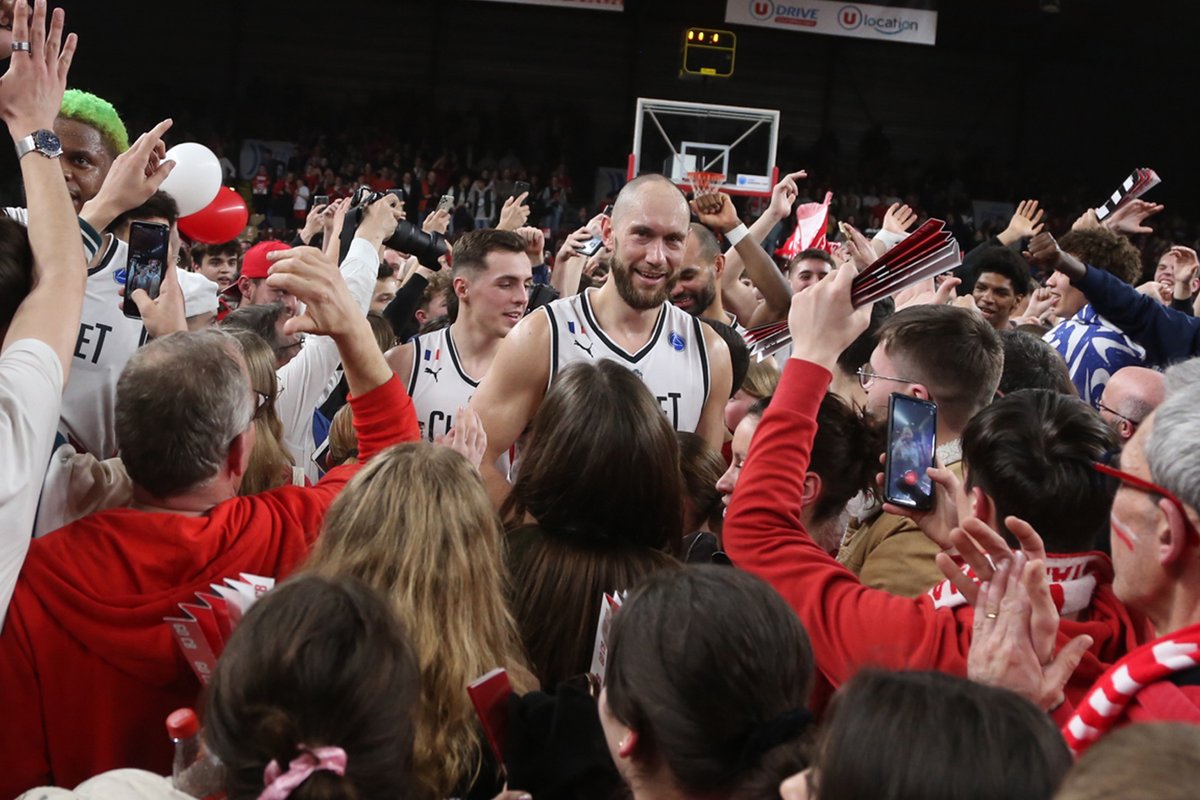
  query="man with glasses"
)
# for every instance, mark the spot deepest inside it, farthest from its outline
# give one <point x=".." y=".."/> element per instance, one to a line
<point x="88" y="667"/>
<point x="952" y="357"/>
<point x="1156" y="559"/>
<point x="1129" y="397"/>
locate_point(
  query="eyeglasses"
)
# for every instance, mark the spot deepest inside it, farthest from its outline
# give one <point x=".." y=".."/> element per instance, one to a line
<point x="866" y="378"/>
<point x="1132" y="422"/>
<point x="1143" y="485"/>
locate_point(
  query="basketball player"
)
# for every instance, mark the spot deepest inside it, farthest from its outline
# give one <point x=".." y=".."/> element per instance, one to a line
<point x="630" y="320"/>
<point x="491" y="279"/>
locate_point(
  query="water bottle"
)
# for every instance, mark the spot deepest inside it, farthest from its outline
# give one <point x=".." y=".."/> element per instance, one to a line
<point x="195" y="771"/>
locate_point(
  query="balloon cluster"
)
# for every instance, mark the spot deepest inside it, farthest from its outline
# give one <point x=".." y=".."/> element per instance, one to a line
<point x="208" y="212"/>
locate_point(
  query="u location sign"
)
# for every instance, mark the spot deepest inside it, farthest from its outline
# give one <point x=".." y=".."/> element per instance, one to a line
<point x="889" y="23"/>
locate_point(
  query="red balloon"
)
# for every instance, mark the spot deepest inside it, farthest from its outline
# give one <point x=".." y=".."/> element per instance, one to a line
<point x="220" y="221"/>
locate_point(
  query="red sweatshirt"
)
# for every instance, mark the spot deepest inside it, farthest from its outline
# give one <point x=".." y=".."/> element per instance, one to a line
<point x="852" y="626"/>
<point x="88" y="668"/>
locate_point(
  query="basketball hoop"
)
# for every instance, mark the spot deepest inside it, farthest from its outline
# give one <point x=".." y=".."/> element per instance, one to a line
<point x="703" y="182"/>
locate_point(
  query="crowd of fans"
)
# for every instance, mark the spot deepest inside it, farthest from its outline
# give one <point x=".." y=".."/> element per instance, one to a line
<point x="459" y="454"/>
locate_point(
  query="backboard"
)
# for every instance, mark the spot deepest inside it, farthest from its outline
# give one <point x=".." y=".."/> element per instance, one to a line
<point x="674" y="138"/>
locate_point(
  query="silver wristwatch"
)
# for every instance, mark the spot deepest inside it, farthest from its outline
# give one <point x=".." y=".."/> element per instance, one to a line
<point x="43" y="141"/>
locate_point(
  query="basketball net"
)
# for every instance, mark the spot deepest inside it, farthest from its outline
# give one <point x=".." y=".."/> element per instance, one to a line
<point x="703" y="182"/>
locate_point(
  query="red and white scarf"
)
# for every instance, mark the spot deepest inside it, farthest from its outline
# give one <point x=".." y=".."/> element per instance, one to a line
<point x="1106" y="702"/>
<point x="1073" y="581"/>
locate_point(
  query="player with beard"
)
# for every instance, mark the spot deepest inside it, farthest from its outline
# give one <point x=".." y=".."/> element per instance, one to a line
<point x="491" y="279"/>
<point x="684" y="363"/>
<point x="698" y="289"/>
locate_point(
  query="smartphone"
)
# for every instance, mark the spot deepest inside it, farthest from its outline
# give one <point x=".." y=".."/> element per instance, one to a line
<point x="911" y="442"/>
<point x="321" y="200"/>
<point x="519" y="187"/>
<point x="148" y="242"/>
<point x="446" y="203"/>
<point x="593" y="245"/>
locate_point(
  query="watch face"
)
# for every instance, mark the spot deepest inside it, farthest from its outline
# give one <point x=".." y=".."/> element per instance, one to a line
<point x="45" y="141"/>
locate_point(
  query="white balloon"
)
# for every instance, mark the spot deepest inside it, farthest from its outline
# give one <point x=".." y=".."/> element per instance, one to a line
<point x="196" y="178"/>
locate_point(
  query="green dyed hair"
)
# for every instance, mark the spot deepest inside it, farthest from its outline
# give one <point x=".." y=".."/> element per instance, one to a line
<point x="99" y="114"/>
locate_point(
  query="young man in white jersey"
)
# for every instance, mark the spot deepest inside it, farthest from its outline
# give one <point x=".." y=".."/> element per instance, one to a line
<point x="629" y="320"/>
<point x="491" y="279"/>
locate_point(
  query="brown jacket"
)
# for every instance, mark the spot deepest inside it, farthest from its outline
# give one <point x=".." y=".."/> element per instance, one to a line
<point x="890" y="553"/>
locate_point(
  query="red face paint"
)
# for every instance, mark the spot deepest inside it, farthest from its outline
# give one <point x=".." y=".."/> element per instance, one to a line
<point x="1123" y="533"/>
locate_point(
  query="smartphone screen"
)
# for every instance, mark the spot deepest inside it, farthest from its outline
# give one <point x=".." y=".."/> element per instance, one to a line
<point x="520" y="187"/>
<point x="148" y="242"/>
<point x="593" y="245"/>
<point x="912" y="440"/>
<point x="321" y="200"/>
<point x="446" y="203"/>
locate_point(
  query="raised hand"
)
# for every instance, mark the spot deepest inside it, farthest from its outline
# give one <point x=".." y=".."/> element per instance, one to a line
<point x="313" y="277"/>
<point x="716" y="212"/>
<point x="898" y="218"/>
<point x="165" y="313"/>
<point x="314" y="223"/>
<point x="1184" y="266"/>
<point x="1041" y="304"/>
<point x="1156" y="290"/>
<point x="784" y="194"/>
<point x="135" y="175"/>
<point x="333" y="219"/>
<point x="535" y="243"/>
<point x="1044" y="252"/>
<point x="570" y="246"/>
<point x="1131" y="217"/>
<point x="858" y="246"/>
<point x="1086" y="221"/>
<point x="514" y="213"/>
<point x="437" y="222"/>
<point x="949" y="506"/>
<point x="1014" y="634"/>
<point x="927" y="293"/>
<point x="31" y="91"/>
<point x="1025" y="222"/>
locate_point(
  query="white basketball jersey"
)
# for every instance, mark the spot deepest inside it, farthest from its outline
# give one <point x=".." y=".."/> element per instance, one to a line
<point x="438" y="385"/>
<point x="107" y="339"/>
<point x="673" y="363"/>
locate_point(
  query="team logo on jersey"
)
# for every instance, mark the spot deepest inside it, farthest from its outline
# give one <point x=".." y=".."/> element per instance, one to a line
<point x="676" y="341"/>
<point x="587" y="348"/>
<point x="119" y="275"/>
<point x="434" y="373"/>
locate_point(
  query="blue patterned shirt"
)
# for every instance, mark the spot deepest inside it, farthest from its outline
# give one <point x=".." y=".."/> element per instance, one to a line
<point x="1094" y="349"/>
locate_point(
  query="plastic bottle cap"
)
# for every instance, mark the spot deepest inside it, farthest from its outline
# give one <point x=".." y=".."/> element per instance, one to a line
<point x="182" y="724"/>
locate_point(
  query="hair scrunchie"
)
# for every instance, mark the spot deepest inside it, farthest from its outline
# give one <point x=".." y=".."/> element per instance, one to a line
<point x="277" y="784"/>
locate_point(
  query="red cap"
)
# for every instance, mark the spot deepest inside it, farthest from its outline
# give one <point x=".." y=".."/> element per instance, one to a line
<point x="182" y="724"/>
<point x="255" y="263"/>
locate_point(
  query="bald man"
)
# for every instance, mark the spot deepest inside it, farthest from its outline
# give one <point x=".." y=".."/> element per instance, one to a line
<point x="1129" y="397"/>
<point x="629" y="320"/>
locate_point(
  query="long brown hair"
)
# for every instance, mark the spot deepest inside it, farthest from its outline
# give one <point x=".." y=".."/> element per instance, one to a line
<point x="416" y="524"/>
<point x="602" y="462"/>
<point x="270" y="464"/>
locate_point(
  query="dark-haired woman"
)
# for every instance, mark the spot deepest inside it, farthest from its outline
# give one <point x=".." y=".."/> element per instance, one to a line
<point x="708" y="675"/>
<point x="596" y="507"/>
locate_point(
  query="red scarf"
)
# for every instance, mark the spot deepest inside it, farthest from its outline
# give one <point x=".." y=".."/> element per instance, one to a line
<point x="1073" y="581"/>
<point x="1106" y="702"/>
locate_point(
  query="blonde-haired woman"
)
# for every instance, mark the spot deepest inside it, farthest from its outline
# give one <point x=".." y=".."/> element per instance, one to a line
<point x="270" y="464"/>
<point x="416" y="523"/>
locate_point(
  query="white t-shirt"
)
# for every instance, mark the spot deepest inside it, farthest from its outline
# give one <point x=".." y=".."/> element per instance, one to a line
<point x="31" y="384"/>
<point x="300" y="203"/>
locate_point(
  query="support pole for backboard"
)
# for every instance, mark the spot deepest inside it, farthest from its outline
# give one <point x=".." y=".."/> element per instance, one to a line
<point x="735" y="143"/>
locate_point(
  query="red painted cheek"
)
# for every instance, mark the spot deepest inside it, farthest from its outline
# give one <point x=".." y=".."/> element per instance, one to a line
<point x="1123" y="533"/>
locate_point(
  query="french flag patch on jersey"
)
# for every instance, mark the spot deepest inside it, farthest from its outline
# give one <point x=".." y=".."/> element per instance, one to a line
<point x="571" y="327"/>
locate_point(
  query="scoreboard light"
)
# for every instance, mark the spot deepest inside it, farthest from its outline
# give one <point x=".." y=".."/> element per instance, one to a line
<point x="709" y="53"/>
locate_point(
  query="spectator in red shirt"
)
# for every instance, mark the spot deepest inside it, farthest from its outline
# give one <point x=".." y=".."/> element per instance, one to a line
<point x="88" y="668"/>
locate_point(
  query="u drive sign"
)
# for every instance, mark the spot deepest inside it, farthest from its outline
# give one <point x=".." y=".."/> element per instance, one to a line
<point x="885" y="23"/>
